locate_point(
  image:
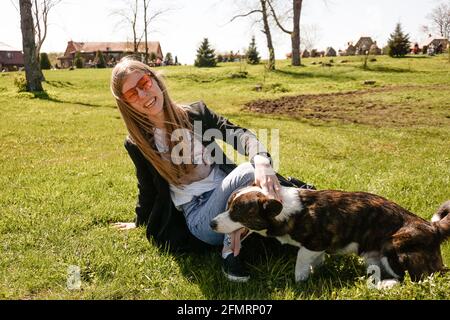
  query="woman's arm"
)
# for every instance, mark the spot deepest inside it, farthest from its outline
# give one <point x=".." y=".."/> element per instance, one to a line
<point x="147" y="192"/>
<point x="246" y="143"/>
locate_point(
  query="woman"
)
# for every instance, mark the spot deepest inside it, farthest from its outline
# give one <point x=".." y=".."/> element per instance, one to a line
<point x="180" y="193"/>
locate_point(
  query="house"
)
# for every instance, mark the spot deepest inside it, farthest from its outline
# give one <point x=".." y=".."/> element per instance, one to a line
<point x="374" y="49"/>
<point x="305" y="54"/>
<point x="330" y="52"/>
<point x="10" y="59"/>
<point x="363" y="45"/>
<point x="439" y="44"/>
<point x="350" y="51"/>
<point x="112" y="51"/>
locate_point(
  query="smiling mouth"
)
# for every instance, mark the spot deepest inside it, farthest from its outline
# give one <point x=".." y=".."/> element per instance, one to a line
<point x="150" y="104"/>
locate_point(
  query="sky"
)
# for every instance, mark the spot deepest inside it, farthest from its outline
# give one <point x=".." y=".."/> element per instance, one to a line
<point x="181" y="29"/>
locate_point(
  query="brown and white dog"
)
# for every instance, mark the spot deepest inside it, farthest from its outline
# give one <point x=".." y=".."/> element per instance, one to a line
<point x="383" y="233"/>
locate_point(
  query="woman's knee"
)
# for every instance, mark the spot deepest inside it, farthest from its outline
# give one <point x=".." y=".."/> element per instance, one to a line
<point x="246" y="172"/>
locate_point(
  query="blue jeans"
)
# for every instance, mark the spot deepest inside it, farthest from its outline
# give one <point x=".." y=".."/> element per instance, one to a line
<point x="202" y="209"/>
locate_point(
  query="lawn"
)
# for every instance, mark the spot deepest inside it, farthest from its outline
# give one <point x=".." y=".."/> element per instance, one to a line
<point x="66" y="176"/>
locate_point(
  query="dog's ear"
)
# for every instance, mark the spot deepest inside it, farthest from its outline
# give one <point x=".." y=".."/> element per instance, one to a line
<point x="271" y="207"/>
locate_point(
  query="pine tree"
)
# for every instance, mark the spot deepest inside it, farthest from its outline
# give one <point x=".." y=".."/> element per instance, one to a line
<point x="100" y="60"/>
<point x="45" y="62"/>
<point x="252" y="53"/>
<point x="206" y="56"/>
<point x="398" y="43"/>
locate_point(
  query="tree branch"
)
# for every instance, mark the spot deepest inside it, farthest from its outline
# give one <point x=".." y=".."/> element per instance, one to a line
<point x="245" y="15"/>
<point x="276" y="19"/>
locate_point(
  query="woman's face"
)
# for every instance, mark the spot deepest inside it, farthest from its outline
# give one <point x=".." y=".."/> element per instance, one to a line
<point x="142" y="92"/>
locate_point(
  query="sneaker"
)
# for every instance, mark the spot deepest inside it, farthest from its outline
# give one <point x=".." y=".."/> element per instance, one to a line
<point x="234" y="270"/>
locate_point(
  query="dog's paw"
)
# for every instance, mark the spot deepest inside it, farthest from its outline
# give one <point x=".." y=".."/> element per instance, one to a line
<point x="387" y="284"/>
<point x="302" y="274"/>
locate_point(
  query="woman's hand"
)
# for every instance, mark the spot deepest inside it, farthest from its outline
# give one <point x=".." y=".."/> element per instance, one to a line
<point x="122" y="226"/>
<point x="266" y="178"/>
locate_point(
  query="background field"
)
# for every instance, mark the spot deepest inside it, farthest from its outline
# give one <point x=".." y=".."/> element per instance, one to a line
<point x="65" y="175"/>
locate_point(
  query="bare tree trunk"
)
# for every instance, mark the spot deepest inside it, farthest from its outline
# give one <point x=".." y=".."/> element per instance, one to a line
<point x="296" y="58"/>
<point x="295" y="33"/>
<point x="136" y="42"/>
<point x="41" y="10"/>
<point x="146" y="3"/>
<point x="271" y="62"/>
<point x="32" y="68"/>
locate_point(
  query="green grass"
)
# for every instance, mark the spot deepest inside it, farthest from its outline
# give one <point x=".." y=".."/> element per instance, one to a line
<point x="66" y="177"/>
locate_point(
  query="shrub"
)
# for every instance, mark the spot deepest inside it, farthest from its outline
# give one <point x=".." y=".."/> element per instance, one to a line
<point x="45" y="62"/>
<point x="99" y="60"/>
<point x="20" y="82"/>
<point x="79" y="62"/>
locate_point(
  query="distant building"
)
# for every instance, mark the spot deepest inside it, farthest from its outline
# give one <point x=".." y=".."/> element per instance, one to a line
<point x="10" y="59"/>
<point x="374" y="49"/>
<point x="439" y="44"/>
<point x="363" y="45"/>
<point x="112" y="51"/>
<point x="330" y="52"/>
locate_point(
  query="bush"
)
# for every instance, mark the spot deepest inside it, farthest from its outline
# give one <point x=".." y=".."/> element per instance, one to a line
<point x="20" y="82"/>
<point x="99" y="60"/>
<point x="79" y="62"/>
<point x="45" y="62"/>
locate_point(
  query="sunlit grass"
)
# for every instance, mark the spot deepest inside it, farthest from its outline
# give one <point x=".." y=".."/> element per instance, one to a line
<point x="66" y="176"/>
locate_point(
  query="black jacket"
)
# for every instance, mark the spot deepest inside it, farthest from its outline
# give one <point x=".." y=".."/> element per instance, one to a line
<point x="155" y="209"/>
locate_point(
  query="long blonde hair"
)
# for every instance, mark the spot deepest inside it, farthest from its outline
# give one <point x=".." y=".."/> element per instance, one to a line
<point x="140" y="127"/>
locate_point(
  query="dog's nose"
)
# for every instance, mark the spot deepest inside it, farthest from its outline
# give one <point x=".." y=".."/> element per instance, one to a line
<point x="213" y="224"/>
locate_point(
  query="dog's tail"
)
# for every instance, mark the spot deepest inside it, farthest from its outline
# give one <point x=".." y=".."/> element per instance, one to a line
<point x="441" y="220"/>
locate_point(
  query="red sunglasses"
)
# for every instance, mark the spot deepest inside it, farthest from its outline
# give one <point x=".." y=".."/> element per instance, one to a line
<point x="145" y="83"/>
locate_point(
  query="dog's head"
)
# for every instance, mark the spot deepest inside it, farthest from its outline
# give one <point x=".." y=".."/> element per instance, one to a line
<point x="248" y="207"/>
<point x="416" y="248"/>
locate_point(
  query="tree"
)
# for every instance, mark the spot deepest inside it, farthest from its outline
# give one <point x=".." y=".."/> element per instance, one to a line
<point x="79" y="61"/>
<point x="252" y="53"/>
<point x="45" y="62"/>
<point x="41" y="10"/>
<point x="32" y="70"/>
<point x="295" y="33"/>
<point x="136" y="14"/>
<point x="129" y="17"/>
<point x="398" y="42"/>
<point x="206" y="56"/>
<point x="100" y="60"/>
<point x="440" y="19"/>
<point x="147" y="20"/>
<point x="262" y="9"/>
<point x="168" y="60"/>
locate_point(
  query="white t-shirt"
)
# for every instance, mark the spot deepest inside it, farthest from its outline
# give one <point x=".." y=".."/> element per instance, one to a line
<point x="206" y="176"/>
